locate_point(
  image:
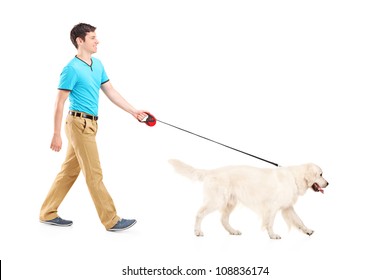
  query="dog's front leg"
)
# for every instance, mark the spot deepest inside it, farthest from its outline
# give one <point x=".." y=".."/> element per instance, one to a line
<point x="291" y="218"/>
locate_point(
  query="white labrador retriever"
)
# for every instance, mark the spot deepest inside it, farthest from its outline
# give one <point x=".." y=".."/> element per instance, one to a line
<point x="264" y="190"/>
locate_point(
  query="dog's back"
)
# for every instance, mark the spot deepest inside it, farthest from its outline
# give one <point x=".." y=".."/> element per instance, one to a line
<point x="232" y="173"/>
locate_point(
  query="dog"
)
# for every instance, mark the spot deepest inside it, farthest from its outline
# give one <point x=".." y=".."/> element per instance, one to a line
<point x="264" y="190"/>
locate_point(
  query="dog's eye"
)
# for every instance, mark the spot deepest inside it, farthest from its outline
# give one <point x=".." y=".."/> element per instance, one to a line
<point x="321" y="174"/>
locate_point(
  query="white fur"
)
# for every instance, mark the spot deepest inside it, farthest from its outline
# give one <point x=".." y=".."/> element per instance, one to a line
<point x="264" y="190"/>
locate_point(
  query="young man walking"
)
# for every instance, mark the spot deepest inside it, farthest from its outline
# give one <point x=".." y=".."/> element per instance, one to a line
<point x="81" y="80"/>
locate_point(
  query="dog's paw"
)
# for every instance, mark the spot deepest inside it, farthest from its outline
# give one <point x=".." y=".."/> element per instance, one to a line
<point x="198" y="232"/>
<point x="275" y="236"/>
<point x="235" y="232"/>
<point x="309" y="231"/>
<point x="306" y="230"/>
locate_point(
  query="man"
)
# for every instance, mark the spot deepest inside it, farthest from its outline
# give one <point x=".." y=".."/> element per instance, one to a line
<point x="81" y="80"/>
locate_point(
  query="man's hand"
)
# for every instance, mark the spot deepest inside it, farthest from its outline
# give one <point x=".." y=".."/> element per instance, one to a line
<point x="56" y="143"/>
<point x="140" y="115"/>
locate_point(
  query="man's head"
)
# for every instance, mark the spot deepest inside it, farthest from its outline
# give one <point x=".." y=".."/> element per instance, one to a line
<point x="79" y="33"/>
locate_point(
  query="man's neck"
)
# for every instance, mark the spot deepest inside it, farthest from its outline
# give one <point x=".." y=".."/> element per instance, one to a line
<point x="86" y="57"/>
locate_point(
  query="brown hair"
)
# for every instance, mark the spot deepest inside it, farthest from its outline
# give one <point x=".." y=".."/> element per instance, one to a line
<point x="80" y="31"/>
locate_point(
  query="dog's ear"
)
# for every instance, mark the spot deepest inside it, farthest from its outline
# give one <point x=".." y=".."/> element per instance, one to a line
<point x="310" y="174"/>
<point x="304" y="177"/>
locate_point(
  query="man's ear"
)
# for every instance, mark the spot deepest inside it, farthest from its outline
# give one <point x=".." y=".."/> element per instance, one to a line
<point x="79" y="41"/>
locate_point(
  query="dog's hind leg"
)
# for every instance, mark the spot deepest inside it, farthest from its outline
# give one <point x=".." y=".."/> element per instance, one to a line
<point x="203" y="211"/>
<point x="291" y="218"/>
<point x="229" y="207"/>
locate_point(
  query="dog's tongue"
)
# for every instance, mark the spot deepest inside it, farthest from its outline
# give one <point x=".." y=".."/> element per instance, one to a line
<point x="317" y="188"/>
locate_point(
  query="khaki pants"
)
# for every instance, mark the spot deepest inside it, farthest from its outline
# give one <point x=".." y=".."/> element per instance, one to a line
<point x="82" y="154"/>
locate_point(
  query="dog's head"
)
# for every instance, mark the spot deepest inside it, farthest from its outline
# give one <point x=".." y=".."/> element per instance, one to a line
<point x="311" y="177"/>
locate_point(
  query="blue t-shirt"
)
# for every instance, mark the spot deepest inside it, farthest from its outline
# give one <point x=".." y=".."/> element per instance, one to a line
<point x="83" y="81"/>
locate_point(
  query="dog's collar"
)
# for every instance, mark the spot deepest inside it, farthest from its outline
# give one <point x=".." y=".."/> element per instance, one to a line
<point x="317" y="188"/>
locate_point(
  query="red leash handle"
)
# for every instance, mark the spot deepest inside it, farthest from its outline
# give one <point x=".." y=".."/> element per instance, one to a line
<point x="150" y="120"/>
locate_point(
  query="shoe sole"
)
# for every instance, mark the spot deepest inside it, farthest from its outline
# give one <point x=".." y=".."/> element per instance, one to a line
<point x="55" y="224"/>
<point x="121" y="229"/>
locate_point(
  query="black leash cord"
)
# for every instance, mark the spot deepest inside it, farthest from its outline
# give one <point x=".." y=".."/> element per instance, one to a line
<point x="273" y="163"/>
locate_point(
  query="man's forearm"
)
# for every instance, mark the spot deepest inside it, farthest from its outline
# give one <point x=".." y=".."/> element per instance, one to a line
<point x="58" y="119"/>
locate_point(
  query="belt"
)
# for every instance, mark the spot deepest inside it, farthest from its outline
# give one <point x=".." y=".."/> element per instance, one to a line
<point x="83" y="115"/>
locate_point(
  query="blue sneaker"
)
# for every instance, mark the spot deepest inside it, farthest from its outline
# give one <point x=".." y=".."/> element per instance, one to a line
<point x="58" y="222"/>
<point x="123" y="224"/>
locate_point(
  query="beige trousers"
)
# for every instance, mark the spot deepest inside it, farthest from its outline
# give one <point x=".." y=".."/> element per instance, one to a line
<point x="82" y="154"/>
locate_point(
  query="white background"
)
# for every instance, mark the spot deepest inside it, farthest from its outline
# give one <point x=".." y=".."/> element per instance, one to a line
<point x="289" y="81"/>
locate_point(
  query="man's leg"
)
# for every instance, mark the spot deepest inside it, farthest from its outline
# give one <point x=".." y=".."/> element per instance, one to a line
<point x="81" y="134"/>
<point x="63" y="182"/>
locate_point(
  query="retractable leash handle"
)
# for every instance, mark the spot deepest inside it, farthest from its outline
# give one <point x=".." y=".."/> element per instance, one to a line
<point x="150" y="120"/>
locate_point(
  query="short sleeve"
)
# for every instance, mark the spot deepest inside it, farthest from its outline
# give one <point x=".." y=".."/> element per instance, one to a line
<point x="104" y="78"/>
<point x="68" y="78"/>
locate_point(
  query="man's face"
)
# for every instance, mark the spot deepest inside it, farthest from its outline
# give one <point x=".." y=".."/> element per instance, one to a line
<point x="90" y="43"/>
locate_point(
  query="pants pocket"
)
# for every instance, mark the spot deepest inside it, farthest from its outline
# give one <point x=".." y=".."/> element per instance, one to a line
<point x="89" y="127"/>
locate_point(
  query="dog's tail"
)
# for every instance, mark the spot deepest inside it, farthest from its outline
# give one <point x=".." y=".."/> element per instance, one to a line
<point x="187" y="170"/>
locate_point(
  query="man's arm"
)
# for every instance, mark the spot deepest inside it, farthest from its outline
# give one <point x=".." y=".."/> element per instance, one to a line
<point x="119" y="101"/>
<point x="56" y="142"/>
